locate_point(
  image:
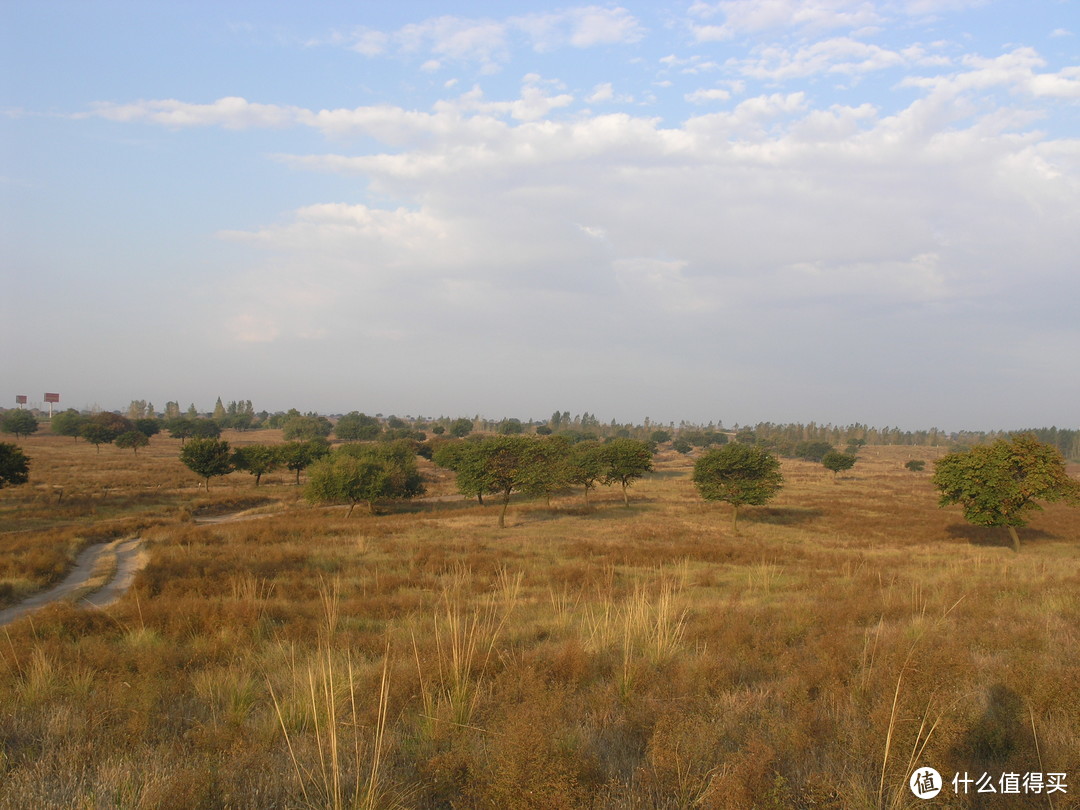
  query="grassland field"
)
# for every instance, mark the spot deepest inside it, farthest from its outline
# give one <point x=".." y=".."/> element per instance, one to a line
<point x="584" y="657"/>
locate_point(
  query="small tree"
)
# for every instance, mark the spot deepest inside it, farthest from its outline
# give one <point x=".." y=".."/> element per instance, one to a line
<point x="739" y="474"/>
<point x="460" y="428"/>
<point x="14" y="465"/>
<point x="133" y="439"/>
<point x="207" y="458"/>
<point x="915" y="465"/>
<point x="298" y="456"/>
<point x="305" y="428"/>
<point x="21" y="423"/>
<point x="105" y="427"/>
<point x="998" y="484"/>
<point x="257" y="459"/>
<point x="356" y="427"/>
<point x="625" y="461"/>
<point x="838" y="462"/>
<point x="586" y="465"/>
<point x="68" y="423"/>
<point x="813" y="451"/>
<point x="148" y="426"/>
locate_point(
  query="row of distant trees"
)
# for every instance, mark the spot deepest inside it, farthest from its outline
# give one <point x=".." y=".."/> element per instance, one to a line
<point x="792" y="440"/>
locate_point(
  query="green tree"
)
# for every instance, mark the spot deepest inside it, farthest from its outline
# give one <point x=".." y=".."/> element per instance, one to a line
<point x="14" y="465"/>
<point x="305" y="428"/>
<point x="813" y="451"/>
<point x="357" y="427"/>
<point x="625" y="461"/>
<point x="207" y="458"/>
<point x="97" y="434"/>
<point x="205" y="429"/>
<point x="103" y="428"/>
<point x="148" y="426"/>
<point x="460" y="428"/>
<point x="998" y="484"/>
<point x="180" y="427"/>
<point x="660" y="436"/>
<point x="915" y="465"/>
<point x="739" y="474"/>
<point x="21" y="423"/>
<point x="133" y="439"/>
<point x="838" y="462"/>
<point x="257" y="459"/>
<point x="499" y="464"/>
<point x="511" y="427"/>
<point x="355" y="474"/>
<point x="298" y="456"/>
<point x="68" y="423"/>
<point x="586" y="465"/>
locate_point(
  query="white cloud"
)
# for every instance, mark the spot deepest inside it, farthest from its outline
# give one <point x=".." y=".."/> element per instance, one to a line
<point x="1015" y="70"/>
<point x="488" y="42"/>
<point x="841" y="55"/>
<point x="230" y="112"/>
<point x="754" y="16"/>
<point x="707" y="95"/>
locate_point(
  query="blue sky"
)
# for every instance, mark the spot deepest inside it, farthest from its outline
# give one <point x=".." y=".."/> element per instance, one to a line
<point x="784" y="210"/>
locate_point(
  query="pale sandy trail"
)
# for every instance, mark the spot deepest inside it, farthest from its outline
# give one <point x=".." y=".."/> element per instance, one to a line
<point x="131" y="557"/>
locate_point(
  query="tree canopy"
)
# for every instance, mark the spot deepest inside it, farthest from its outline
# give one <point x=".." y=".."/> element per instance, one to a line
<point x="838" y="462"/>
<point x="20" y="422"/>
<point x="257" y="459"/>
<point x="14" y="465"/>
<point x="739" y="474"/>
<point x="999" y="484"/>
<point x="356" y="427"/>
<point x="207" y="458"/>
<point x="625" y="461"/>
<point x="368" y="473"/>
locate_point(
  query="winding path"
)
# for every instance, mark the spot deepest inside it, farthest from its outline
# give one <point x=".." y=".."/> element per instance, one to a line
<point x="127" y="556"/>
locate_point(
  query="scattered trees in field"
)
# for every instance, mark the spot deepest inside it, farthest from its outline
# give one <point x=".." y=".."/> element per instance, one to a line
<point x="998" y="484"/>
<point x="207" y="458"/>
<point x="14" y="465"/>
<point x="365" y="473"/>
<point x="739" y="474"/>
<point x="21" y="423"/>
<point x="257" y="459"/>
<point x="838" y="462"/>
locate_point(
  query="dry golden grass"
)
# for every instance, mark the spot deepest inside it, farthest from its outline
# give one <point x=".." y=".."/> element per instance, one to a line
<point x="603" y="657"/>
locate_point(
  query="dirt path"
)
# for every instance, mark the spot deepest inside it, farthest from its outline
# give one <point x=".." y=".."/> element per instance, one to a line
<point x="101" y="574"/>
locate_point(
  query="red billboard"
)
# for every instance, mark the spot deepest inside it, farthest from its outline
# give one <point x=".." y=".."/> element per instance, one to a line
<point x="20" y="399"/>
<point x="52" y="397"/>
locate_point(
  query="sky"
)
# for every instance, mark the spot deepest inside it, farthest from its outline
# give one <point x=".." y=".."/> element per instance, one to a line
<point x="739" y="211"/>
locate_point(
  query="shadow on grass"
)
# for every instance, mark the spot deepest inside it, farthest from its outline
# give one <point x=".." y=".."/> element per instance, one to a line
<point x="995" y="536"/>
<point x="779" y="515"/>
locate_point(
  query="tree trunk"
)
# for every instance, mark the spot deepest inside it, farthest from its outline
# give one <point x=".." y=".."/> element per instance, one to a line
<point x="351" y="507"/>
<point x="1015" y="538"/>
<point x="586" y="497"/>
<point x="502" y="513"/>
<point x="257" y="477"/>
<point x="480" y="497"/>
<point x="625" y="496"/>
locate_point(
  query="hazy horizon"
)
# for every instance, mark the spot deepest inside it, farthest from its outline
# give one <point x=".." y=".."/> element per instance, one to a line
<point x="787" y="211"/>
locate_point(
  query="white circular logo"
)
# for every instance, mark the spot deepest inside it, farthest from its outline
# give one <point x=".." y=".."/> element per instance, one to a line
<point x="925" y="783"/>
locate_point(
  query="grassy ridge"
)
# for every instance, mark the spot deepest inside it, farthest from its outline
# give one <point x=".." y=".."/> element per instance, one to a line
<point x="582" y="658"/>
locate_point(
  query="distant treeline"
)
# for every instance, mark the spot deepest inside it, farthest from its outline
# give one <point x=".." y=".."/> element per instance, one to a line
<point x="783" y="438"/>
